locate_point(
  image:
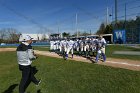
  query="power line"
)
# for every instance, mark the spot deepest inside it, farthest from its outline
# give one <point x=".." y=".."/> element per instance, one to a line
<point x="63" y="21"/>
<point x="130" y="8"/>
<point x="70" y="19"/>
<point x="133" y="7"/>
<point x="130" y="15"/>
<point x="132" y="1"/>
<point x="25" y="17"/>
<point x="126" y="8"/>
<point x="87" y="13"/>
<point x="120" y="5"/>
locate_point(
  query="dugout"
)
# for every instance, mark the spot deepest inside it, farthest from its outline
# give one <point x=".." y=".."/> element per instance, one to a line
<point x="54" y="36"/>
<point x="92" y="36"/>
<point x="108" y="38"/>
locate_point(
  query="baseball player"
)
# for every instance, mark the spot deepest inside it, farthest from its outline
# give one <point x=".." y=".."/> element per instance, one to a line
<point x="64" y="47"/>
<point x="57" y="46"/>
<point x="81" y="43"/>
<point x="86" y="47"/>
<point x="69" y="44"/>
<point x="25" y="56"/>
<point x="101" y="43"/>
<point x="60" y="46"/>
<point x="54" y="45"/>
<point x="51" y="45"/>
<point x="76" y="46"/>
<point x="93" y="44"/>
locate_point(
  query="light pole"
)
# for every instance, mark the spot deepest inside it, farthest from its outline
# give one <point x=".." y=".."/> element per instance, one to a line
<point x="116" y="11"/>
<point x="107" y="16"/>
<point x="76" y="23"/>
<point x="125" y="17"/>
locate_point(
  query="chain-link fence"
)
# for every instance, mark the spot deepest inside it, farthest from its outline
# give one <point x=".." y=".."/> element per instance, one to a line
<point x="133" y="35"/>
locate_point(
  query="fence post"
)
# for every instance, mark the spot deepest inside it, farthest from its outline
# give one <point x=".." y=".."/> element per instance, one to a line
<point x="139" y="35"/>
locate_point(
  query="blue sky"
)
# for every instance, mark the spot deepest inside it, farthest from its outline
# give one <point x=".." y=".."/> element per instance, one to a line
<point x="39" y="16"/>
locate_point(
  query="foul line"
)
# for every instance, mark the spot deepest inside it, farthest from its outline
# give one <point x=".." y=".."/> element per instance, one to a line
<point x="123" y="63"/>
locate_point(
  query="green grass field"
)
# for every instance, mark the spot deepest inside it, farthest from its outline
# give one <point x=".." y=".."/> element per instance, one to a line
<point x="110" y="49"/>
<point x="7" y="46"/>
<point x="41" y="48"/>
<point x="59" y="76"/>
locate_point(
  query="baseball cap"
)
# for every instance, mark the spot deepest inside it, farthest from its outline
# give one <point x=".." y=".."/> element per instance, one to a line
<point x="100" y="36"/>
<point x="25" y="38"/>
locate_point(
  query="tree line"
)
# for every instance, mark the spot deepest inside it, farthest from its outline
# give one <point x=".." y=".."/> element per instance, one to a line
<point x="108" y="29"/>
<point x="65" y="34"/>
<point x="9" y="35"/>
<point x="121" y="24"/>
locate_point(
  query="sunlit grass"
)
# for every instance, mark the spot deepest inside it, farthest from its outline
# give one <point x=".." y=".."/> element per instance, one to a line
<point x="60" y="76"/>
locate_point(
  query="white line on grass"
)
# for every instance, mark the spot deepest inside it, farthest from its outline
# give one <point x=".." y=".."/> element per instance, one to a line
<point x="123" y="63"/>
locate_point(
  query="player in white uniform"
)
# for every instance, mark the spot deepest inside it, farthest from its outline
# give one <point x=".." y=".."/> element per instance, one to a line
<point x="81" y="44"/>
<point x="93" y="43"/>
<point x="60" y="46"/>
<point x="101" y="43"/>
<point x="86" y="47"/>
<point x="64" y="48"/>
<point x="76" y="46"/>
<point x="70" y="44"/>
<point x="51" y="45"/>
<point x="57" y="45"/>
<point x="54" y="45"/>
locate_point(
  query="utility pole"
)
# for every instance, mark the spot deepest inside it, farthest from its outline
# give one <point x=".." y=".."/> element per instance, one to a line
<point x="107" y="15"/>
<point x="76" y="23"/>
<point x="90" y="32"/>
<point x="112" y="15"/>
<point x="58" y="28"/>
<point x="116" y="11"/>
<point x="125" y="16"/>
<point x="139" y="37"/>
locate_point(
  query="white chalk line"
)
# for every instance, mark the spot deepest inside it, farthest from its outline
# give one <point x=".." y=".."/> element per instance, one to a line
<point x="123" y="63"/>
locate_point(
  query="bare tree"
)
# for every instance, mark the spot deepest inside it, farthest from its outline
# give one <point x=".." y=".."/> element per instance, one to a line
<point x="43" y="36"/>
<point x="9" y="35"/>
<point x="13" y="34"/>
<point x="3" y="34"/>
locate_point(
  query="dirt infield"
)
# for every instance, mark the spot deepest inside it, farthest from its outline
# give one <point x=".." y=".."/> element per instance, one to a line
<point x="7" y="49"/>
<point x="118" y="63"/>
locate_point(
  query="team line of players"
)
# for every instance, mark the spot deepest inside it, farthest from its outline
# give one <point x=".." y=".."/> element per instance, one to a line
<point x="85" y="45"/>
